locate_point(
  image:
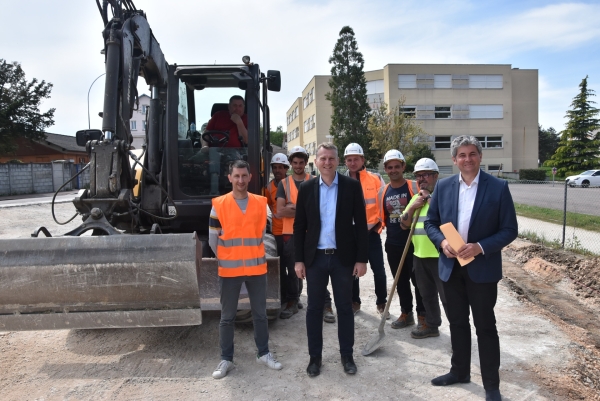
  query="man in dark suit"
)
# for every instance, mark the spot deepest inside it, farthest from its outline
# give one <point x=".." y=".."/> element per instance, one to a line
<point x="481" y="208"/>
<point x="330" y="238"/>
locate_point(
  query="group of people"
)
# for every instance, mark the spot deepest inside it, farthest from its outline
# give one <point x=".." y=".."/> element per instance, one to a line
<point x="329" y="227"/>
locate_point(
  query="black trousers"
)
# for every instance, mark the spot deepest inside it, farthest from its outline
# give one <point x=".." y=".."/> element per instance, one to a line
<point x="317" y="277"/>
<point x="463" y="293"/>
<point x="394" y="256"/>
<point x="289" y="283"/>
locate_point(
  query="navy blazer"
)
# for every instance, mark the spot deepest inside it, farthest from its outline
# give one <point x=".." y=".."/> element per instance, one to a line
<point x="493" y="224"/>
<point x="351" y="231"/>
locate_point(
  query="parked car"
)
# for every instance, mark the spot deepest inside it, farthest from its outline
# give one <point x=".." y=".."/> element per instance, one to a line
<point x="585" y="179"/>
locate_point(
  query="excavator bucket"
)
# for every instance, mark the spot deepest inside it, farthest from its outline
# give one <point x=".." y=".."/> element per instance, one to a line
<point x="114" y="281"/>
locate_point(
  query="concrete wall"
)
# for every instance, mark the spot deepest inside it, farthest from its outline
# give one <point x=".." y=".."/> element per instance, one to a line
<point x="40" y="177"/>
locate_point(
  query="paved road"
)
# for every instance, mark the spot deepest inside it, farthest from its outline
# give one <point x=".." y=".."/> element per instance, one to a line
<point x="36" y="199"/>
<point x="579" y="200"/>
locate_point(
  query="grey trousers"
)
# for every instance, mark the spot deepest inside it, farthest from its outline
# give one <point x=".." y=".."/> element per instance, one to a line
<point x="430" y="284"/>
<point x="230" y="292"/>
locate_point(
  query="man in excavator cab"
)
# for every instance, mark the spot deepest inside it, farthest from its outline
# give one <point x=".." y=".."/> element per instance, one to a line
<point x="226" y="137"/>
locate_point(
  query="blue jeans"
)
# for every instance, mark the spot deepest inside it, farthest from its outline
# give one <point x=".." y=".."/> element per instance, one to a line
<point x="230" y="292"/>
<point x="317" y="278"/>
<point x="378" y="268"/>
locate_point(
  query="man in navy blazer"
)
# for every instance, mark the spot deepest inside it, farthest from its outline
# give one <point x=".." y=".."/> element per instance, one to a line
<point x="482" y="210"/>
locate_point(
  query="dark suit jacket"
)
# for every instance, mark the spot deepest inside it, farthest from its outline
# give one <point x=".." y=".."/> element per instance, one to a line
<point x="493" y="224"/>
<point x="351" y="232"/>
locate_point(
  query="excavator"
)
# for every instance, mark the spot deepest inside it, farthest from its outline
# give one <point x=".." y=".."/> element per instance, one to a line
<point x="140" y="256"/>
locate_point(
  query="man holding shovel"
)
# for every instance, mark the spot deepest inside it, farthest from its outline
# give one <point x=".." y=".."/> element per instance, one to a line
<point x="426" y="255"/>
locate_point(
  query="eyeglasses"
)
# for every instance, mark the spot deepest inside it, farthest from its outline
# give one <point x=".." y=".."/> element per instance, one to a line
<point x="424" y="175"/>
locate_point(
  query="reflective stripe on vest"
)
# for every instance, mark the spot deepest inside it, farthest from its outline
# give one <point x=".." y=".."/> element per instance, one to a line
<point x="240" y="249"/>
<point x="370" y="184"/>
<point x="412" y="190"/>
<point x="276" y="224"/>
<point x="291" y="196"/>
<point x="424" y="248"/>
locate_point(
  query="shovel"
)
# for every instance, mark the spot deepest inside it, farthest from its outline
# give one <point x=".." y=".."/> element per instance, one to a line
<point x="376" y="340"/>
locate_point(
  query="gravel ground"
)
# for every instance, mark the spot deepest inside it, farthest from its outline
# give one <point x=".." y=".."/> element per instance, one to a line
<point x="542" y="354"/>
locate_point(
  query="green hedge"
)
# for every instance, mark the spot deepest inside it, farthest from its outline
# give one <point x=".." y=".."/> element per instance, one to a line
<point x="537" y="174"/>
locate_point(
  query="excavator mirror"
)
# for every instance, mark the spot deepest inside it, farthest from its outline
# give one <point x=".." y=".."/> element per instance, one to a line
<point x="86" y="135"/>
<point x="274" y="80"/>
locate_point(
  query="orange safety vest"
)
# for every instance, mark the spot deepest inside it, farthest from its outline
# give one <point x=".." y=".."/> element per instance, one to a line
<point x="240" y="249"/>
<point x="291" y="195"/>
<point x="412" y="189"/>
<point x="277" y="224"/>
<point x="370" y="183"/>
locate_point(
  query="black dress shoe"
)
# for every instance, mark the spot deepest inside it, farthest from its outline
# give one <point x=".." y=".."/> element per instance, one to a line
<point x="493" y="395"/>
<point x="314" y="366"/>
<point x="348" y="364"/>
<point x="450" y="378"/>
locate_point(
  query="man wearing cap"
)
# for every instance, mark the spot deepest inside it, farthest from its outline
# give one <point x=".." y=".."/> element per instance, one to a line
<point x="279" y="167"/>
<point x="370" y="183"/>
<point x="481" y="209"/>
<point x="392" y="200"/>
<point x="287" y="194"/>
<point x="426" y="255"/>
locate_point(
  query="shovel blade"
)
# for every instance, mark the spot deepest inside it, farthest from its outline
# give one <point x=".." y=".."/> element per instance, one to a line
<point x="374" y="343"/>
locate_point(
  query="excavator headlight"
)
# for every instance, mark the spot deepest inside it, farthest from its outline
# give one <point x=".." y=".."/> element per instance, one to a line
<point x="246" y="60"/>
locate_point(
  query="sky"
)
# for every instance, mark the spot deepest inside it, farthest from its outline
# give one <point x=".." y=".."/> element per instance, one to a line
<point x="60" y="42"/>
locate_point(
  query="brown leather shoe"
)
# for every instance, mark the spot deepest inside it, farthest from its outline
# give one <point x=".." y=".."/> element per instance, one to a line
<point x="424" y="331"/>
<point x="405" y="320"/>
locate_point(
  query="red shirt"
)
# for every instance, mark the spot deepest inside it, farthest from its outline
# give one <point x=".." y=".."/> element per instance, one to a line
<point x="221" y="121"/>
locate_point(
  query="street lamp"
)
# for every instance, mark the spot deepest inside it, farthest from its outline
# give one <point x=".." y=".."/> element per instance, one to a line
<point x="88" y="97"/>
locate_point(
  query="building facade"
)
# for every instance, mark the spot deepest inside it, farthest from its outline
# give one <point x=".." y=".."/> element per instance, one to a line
<point x="138" y="122"/>
<point x="497" y="104"/>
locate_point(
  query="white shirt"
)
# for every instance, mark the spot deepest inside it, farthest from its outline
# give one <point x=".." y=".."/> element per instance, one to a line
<point x="466" y="201"/>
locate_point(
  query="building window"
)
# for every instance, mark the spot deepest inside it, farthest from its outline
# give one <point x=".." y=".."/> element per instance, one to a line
<point x="488" y="142"/>
<point x="144" y="109"/>
<point x="442" y="81"/>
<point x="485" y="81"/>
<point x="409" y="111"/>
<point x="442" y="142"/>
<point x="445" y="169"/>
<point x="494" y="167"/>
<point x="486" y="111"/>
<point x="311" y="95"/>
<point x="407" y="81"/>
<point x="424" y="81"/>
<point x="375" y="93"/>
<point x="133" y="125"/>
<point x="144" y="122"/>
<point x="443" y="112"/>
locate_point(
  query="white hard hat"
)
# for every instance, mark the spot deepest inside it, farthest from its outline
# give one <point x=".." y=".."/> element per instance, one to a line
<point x="297" y="149"/>
<point x="280" y="158"/>
<point x="393" y="155"/>
<point x="353" y="149"/>
<point x="426" y="164"/>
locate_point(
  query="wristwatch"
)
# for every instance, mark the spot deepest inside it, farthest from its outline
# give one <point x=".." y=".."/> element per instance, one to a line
<point x="428" y="197"/>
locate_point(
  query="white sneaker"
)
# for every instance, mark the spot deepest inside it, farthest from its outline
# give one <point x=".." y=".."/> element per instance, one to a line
<point x="269" y="361"/>
<point x="222" y="369"/>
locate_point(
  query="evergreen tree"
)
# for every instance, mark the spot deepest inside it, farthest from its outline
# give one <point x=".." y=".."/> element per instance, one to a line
<point x="579" y="145"/>
<point x="348" y="97"/>
<point x="20" y="116"/>
<point x="548" y="140"/>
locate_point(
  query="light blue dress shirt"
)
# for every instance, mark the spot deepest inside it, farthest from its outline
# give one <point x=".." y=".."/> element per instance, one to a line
<point x="327" y="204"/>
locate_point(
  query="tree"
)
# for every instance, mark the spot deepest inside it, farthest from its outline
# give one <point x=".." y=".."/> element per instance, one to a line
<point x="394" y="129"/>
<point x="277" y="136"/>
<point x="348" y="97"/>
<point x="548" y="140"/>
<point x="20" y="116"/>
<point x="579" y="145"/>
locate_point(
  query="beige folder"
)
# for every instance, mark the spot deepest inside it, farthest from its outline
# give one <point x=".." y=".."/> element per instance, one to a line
<point x="455" y="241"/>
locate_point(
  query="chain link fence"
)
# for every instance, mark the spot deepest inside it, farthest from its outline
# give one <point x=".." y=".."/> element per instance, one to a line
<point x="557" y="214"/>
